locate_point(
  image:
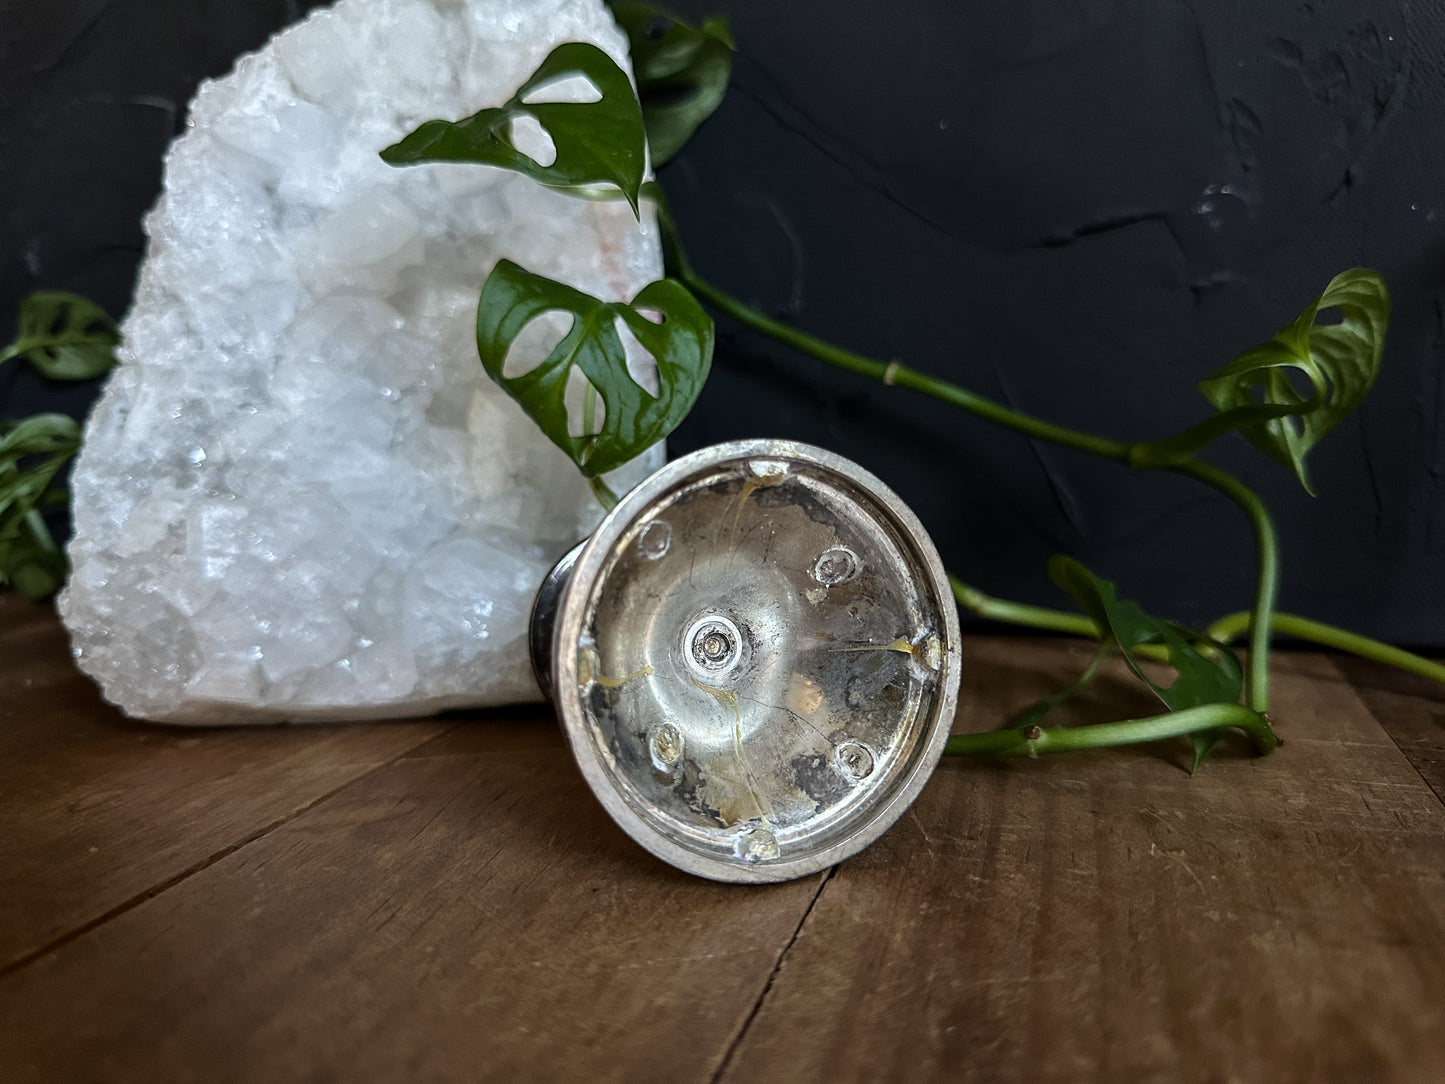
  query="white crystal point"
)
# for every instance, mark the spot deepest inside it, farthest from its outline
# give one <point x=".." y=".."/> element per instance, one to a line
<point x="299" y="497"/>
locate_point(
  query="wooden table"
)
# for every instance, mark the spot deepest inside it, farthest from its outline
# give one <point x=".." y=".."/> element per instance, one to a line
<point x="444" y="900"/>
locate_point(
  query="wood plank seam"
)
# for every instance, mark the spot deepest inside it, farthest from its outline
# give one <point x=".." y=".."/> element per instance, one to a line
<point x="205" y="863"/>
<point x="737" y="1040"/>
<point x="1388" y="731"/>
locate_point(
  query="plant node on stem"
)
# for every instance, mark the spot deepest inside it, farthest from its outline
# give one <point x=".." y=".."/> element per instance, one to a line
<point x="1034" y="740"/>
<point x="896" y="374"/>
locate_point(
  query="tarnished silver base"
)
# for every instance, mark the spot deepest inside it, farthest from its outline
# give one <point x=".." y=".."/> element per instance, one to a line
<point x="755" y="658"/>
<point x="544" y="618"/>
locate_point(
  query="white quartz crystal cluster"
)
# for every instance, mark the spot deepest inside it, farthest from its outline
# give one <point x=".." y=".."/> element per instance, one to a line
<point x="299" y="496"/>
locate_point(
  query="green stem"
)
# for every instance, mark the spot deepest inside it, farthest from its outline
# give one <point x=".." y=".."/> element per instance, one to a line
<point x="894" y="373"/>
<point x="1040" y="711"/>
<point x="1039" y="617"/>
<point x="1182" y="446"/>
<point x="1021" y="613"/>
<point x="589" y="410"/>
<point x="1031" y="741"/>
<point x="603" y="492"/>
<point x="890" y="372"/>
<point x="1225" y="630"/>
<point x="1267" y="583"/>
<point x="1229" y="628"/>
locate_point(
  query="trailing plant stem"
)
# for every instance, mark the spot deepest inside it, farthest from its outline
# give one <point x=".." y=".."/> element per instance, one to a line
<point x="896" y="374"/>
<point x="603" y="492"/>
<point x="1317" y="632"/>
<point x="1031" y="741"/>
<point x="1267" y="582"/>
<point x="1021" y="613"/>
<point x="1225" y="630"/>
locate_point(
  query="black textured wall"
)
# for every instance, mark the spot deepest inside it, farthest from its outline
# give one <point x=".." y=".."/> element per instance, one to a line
<point x="1079" y="207"/>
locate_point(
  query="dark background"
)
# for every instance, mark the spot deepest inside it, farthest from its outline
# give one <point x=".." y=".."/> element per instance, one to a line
<point x="1077" y="207"/>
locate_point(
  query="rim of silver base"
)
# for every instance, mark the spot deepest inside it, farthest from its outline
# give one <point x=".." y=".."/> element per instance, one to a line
<point x="589" y="563"/>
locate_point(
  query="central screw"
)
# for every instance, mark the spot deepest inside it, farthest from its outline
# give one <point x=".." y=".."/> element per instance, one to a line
<point x="712" y="645"/>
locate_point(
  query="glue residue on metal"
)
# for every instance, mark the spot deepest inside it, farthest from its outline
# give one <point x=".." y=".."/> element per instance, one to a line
<point x="755" y="658"/>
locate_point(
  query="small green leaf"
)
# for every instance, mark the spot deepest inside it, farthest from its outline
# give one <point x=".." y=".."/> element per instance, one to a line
<point x="1200" y="680"/>
<point x="1216" y="678"/>
<point x="31" y="562"/>
<point x="634" y="419"/>
<point x="600" y="142"/>
<point x="682" y="72"/>
<point x="1338" y="361"/>
<point x="1203" y="742"/>
<point x="65" y="336"/>
<point x="32" y="453"/>
<point x="39" y="435"/>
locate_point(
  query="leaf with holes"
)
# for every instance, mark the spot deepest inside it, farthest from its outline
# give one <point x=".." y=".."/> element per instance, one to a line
<point x="682" y="72"/>
<point x="634" y="419"/>
<point x="32" y="453"/>
<point x="598" y="142"/>
<point x="1213" y="678"/>
<point x="1339" y="361"/>
<point x="65" y="336"/>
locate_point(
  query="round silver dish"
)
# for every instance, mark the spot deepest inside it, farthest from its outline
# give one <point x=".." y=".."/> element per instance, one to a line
<point x="755" y="657"/>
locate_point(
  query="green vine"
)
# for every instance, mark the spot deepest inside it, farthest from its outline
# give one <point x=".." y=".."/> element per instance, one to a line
<point x="895" y="374"/>
<point x="1255" y="394"/>
<point x="63" y="337"/>
<point x="603" y="148"/>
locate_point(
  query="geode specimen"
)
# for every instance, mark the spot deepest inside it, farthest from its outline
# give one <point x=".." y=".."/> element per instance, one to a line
<point x="299" y="496"/>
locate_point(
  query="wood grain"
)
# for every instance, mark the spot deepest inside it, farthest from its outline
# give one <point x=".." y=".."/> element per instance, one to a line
<point x="1107" y="916"/>
<point x="446" y="900"/>
<point x="98" y="810"/>
<point x="464" y="913"/>
<point x="1411" y="709"/>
